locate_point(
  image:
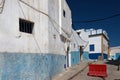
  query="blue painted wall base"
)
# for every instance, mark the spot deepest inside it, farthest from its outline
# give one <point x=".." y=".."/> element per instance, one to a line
<point x="25" y="66"/>
<point x="94" y="56"/>
<point x="85" y="56"/>
<point x="117" y="56"/>
<point x="75" y="57"/>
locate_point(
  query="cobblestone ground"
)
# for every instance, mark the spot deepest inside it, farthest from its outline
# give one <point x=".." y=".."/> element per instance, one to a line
<point x="112" y="71"/>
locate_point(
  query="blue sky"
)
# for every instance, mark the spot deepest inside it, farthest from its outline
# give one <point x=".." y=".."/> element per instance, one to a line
<point x="87" y="10"/>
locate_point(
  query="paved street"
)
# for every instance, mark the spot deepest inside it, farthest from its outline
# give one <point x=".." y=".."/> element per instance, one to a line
<point x="71" y="74"/>
<point x="112" y="71"/>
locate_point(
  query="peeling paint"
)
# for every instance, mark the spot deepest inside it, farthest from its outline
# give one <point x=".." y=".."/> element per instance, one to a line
<point x="19" y="66"/>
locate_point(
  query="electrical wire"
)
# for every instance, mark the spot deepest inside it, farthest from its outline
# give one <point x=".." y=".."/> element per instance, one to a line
<point x="51" y="19"/>
<point x="33" y="35"/>
<point x="22" y="9"/>
<point x="86" y="45"/>
<point x="84" y="41"/>
<point x="81" y="38"/>
<point x="46" y="15"/>
<point x="95" y="20"/>
<point x="87" y="42"/>
<point x="33" y="7"/>
<point x="42" y="55"/>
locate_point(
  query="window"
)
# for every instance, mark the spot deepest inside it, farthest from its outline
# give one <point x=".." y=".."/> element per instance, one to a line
<point x="92" y="47"/>
<point x="64" y="14"/>
<point x="26" y="26"/>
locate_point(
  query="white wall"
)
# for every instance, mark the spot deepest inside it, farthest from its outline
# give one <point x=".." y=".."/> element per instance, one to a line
<point x="56" y="26"/>
<point x="84" y="39"/>
<point x="46" y="33"/>
<point x="97" y="44"/>
<point x="48" y="50"/>
<point x="39" y="38"/>
<point x="75" y="41"/>
<point x="80" y="40"/>
<point x="65" y="22"/>
<point x="97" y="41"/>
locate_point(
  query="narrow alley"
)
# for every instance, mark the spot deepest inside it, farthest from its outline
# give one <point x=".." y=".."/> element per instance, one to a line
<point x="57" y="40"/>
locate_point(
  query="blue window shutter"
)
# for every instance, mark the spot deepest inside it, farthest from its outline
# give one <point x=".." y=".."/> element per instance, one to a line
<point x="92" y="47"/>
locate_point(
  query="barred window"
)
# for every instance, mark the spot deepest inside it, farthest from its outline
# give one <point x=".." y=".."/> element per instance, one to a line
<point x="26" y="26"/>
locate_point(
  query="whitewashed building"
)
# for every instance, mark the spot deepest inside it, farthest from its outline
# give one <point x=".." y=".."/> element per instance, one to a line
<point x="78" y="49"/>
<point x="114" y="53"/>
<point x="34" y="37"/>
<point x="84" y="49"/>
<point x="98" y="44"/>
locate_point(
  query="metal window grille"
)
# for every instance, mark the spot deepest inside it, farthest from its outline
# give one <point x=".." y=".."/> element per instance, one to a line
<point x="26" y="26"/>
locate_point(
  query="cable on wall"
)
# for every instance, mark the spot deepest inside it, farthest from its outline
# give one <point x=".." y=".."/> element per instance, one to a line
<point x="33" y="35"/>
<point x="51" y="19"/>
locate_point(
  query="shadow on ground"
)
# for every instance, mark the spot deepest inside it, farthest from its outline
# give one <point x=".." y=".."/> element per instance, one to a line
<point x="113" y="62"/>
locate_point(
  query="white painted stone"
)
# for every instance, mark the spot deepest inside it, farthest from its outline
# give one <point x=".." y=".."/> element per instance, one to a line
<point x="46" y="15"/>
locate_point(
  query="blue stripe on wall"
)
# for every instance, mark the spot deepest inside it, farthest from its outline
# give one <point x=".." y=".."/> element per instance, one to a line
<point x="85" y="56"/>
<point x="21" y="66"/>
<point x="117" y="56"/>
<point x="96" y="55"/>
<point x="75" y="57"/>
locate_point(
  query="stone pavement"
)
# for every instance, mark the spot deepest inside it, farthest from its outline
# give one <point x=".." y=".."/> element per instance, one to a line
<point x="72" y="71"/>
<point x="112" y="72"/>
